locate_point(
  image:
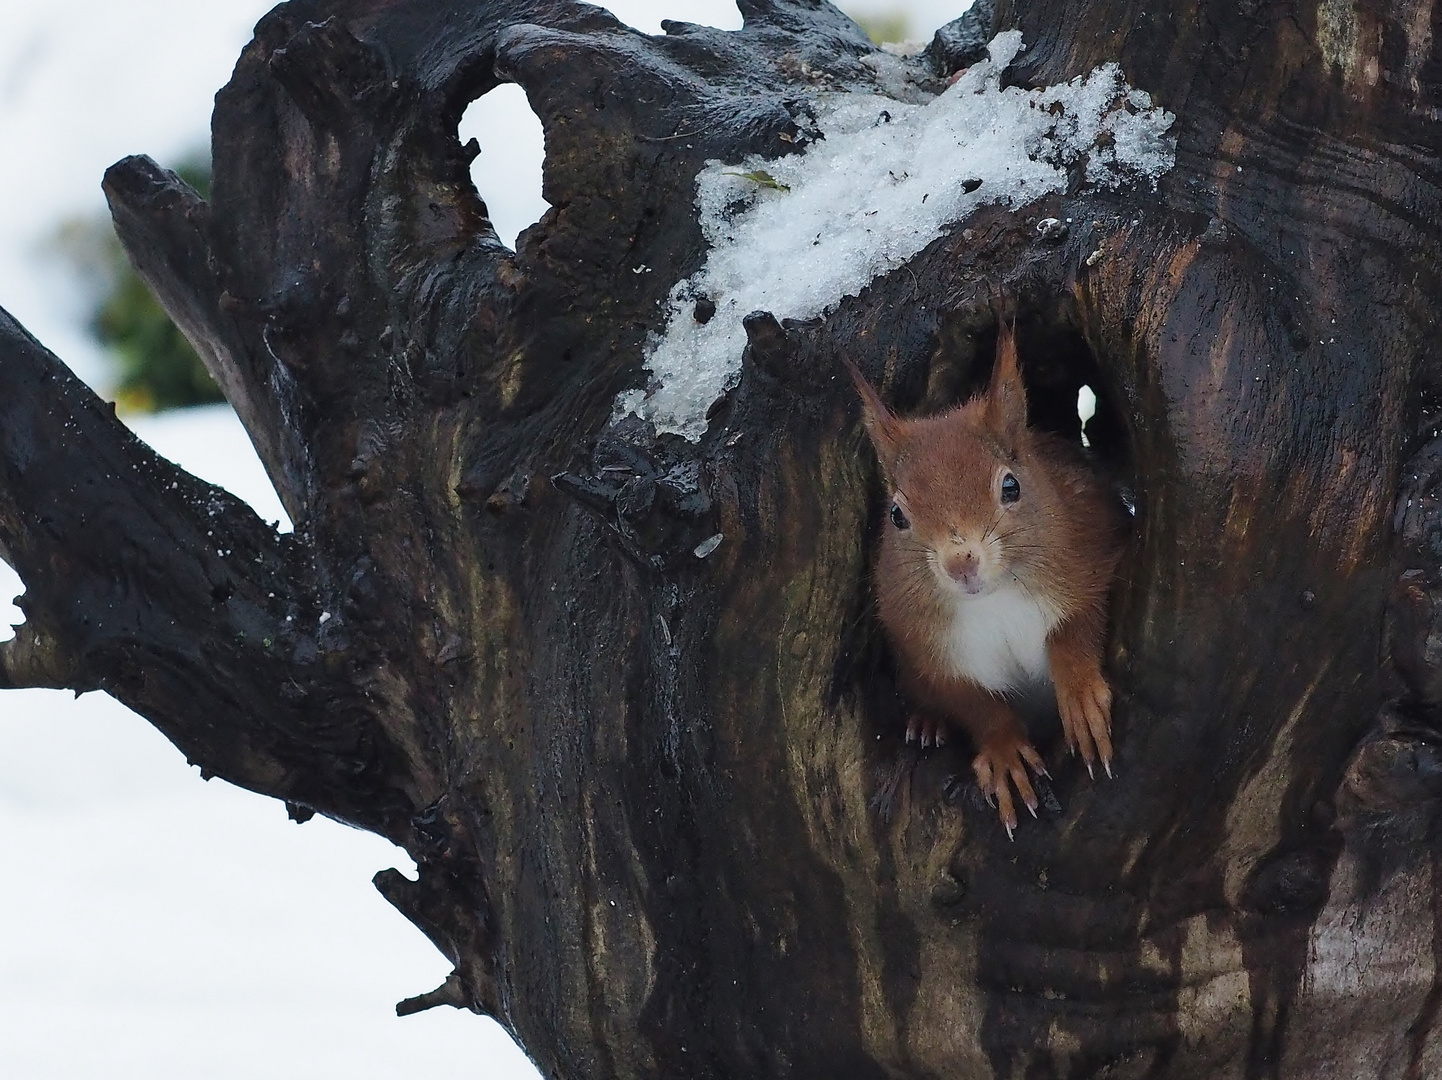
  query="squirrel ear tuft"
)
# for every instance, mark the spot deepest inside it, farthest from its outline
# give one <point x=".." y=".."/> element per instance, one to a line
<point x="882" y="425"/>
<point x="1006" y="394"/>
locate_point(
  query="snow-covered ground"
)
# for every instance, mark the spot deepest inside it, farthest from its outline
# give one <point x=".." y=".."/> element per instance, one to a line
<point x="153" y="925"/>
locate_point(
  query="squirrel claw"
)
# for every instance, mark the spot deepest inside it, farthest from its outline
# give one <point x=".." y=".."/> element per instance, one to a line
<point x="926" y="730"/>
<point x="1107" y="765"/>
<point x="1085" y="700"/>
<point x="1001" y="768"/>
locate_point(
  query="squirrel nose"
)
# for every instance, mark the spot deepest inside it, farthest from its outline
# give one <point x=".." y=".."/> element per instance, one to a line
<point x="964" y="568"/>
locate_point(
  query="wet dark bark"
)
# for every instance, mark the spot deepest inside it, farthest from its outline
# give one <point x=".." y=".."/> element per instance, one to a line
<point x="639" y="784"/>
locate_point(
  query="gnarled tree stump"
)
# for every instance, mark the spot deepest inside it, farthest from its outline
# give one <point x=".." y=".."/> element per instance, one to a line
<point x="639" y="784"/>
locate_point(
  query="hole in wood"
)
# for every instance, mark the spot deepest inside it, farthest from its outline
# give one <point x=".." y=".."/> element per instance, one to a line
<point x="1086" y="408"/>
<point x="1067" y="394"/>
<point x="507" y="172"/>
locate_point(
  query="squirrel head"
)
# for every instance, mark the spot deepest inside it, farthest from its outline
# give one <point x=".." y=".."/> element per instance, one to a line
<point x="970" y="498"/>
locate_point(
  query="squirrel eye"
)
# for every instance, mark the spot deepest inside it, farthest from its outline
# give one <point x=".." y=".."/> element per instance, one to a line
<point x="898" y="517"/>
<point x="1010" y="488"/>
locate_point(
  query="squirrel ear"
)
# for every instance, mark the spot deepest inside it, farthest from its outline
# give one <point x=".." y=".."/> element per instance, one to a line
<point x="882" y="425"/>
<point x="1006" y="394"/>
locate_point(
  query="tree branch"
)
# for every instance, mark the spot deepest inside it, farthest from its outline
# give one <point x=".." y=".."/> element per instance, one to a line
<point x="163" y="224"/>
<point x="173" y="596"/>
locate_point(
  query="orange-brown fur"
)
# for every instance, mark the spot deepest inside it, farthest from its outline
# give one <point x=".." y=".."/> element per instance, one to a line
<point x="982" y="595"/>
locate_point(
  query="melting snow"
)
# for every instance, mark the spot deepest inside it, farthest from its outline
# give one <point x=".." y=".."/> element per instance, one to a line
<point x="886" y="180"/>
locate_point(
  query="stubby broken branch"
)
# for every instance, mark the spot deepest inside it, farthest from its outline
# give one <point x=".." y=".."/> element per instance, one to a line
<point x="30" y="661"/>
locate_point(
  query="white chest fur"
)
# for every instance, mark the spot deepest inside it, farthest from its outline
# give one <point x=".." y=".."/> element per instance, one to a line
<point x="999" y="640"/>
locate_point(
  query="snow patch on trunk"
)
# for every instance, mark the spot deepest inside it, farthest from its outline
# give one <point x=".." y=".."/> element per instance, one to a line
<point x="801" y="232"/>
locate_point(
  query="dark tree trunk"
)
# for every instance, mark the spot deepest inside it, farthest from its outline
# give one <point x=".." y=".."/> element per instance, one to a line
<point x="664" y="820"/>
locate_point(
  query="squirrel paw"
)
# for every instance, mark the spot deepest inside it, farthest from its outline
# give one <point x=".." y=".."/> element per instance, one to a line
<point x="927" y="730"/>
<point x="1086" y="719"/>
<point x="1002" y="764"/>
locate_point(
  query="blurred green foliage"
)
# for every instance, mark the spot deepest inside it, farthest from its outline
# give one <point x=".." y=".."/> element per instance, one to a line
<point x="156" y="368"/>
<point x="884" y="26"/>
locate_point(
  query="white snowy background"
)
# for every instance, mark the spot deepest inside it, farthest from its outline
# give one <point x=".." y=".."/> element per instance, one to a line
<point x="153" y="925"/>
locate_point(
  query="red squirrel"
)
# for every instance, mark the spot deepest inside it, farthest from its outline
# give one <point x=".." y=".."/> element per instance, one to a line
<point x="992" y="577"/>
